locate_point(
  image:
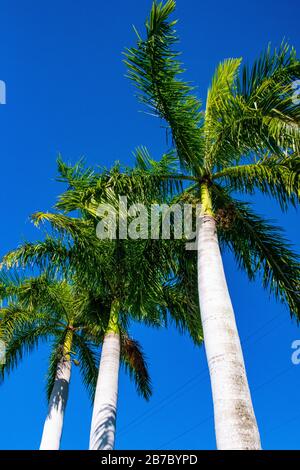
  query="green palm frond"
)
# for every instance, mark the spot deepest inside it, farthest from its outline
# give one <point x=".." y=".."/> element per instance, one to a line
<point x="148" y="182"/>
<point x="259" y="248"/>
<point x="219" y="94"/>
<point x="13" y="317"/>
<point x="184" y="312"/>
<point x="77" y="199"/>
<point x="222" y="87"/>
<point x="43" y="254"/>
<point x="154" y="68"/>
<point x="60" y="258"/>
<point x="93" y="310"/>
<point x="166" y="170"/>
<point x="23" y="340"/>
<point x="135" y="364"/>
<point x="51" y="295"/>
<point x="180" y="291"/>
<point x="278" y="178"/>
<point x="42" y="293"/>
<point x="272" y="67"/>
<point x="262" y="114"/>
<point x="54" y="359"/>
<point x="256" y="129"/>
<point x="66" y="225"/>
<point x="76" y="176"/>
<point x="248" y="110"/>
<point x="88" y="357"/>
<point x="165" y="166"/>
<point x="10" y="281"/>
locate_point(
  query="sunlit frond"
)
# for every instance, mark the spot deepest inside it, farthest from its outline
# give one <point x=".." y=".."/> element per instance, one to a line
<point x="259" y="248"/>
<point x="24" y="338"/>
<point x="154" y="68"/>
<point x="278" y="178"/>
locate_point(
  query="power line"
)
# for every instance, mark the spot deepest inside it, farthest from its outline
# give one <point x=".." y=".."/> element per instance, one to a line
<point x="173" y="396"/>
<point x="262" y="327"/>
<point x="208" y="418"/>
<point x="284" y="423"/>
<point x="272" y="379"/>
<point x="161" y="404"/>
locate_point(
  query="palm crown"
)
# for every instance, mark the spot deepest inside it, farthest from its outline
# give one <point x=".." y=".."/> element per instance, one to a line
<point x="246" y="139"/>
<point x="151" y="278"/>
<point x="140" y="279"/>
<point x="44" y="308"/>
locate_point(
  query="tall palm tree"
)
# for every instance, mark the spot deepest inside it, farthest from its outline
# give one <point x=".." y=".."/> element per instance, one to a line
<point x="246" y="139"/>
<point x="134" y="277"/>
<point x="43" y="308"/>
<point x="141" y="286"/>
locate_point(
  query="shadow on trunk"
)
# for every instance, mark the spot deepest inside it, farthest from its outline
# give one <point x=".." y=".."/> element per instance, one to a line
<point x="104" y="434"/>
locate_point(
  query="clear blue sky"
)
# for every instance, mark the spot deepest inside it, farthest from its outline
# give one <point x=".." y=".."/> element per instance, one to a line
<point x="66" y="92"/>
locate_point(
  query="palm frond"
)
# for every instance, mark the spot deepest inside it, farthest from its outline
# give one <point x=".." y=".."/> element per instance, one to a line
<point x="44" y="254"/>
<point x="278" y="178"/>
<point x="259" y="248"/>
<point x="88" y="358"/>
<point x="13" y="317"/>
<point x="76" y="176"/>
<point x="54" y="359"/>
<point x="65" y="225"/>
<point x="24" y="340"/>
<point x="262" y="114"/>
<point x="154" y="68"/>
<point x="272" y="67"/>
<point x="134" y="361"/>
<point x="181" y="295"/>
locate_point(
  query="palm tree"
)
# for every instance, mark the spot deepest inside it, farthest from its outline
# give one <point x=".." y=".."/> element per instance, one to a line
<point x="134" y="277"/>
<point x="246" y="139"/>
<point x="137" y="272"/>
<point x="43" y="308"/>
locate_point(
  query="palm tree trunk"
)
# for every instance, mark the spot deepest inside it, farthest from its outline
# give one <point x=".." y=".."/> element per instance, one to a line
<point x="235" y="421"/>
<point x="103" y="426"/>
<point x="58" y="400"/>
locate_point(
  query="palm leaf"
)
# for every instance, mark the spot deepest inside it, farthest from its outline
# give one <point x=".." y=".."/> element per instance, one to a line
<point x="154" y="68"/>
<point x="54" y="359"/>
<point x="24" y="340"/>
<point x="278" y="178"/>
<point x="134" y="361"/>
<point x="88" y="358"/>
<point x="259" y="248"/>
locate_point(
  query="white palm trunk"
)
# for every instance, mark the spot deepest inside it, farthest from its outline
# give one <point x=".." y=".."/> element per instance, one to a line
<point x="235" y="422"/>
<point x="54" y="422"/>
<point x="103" y="426"/>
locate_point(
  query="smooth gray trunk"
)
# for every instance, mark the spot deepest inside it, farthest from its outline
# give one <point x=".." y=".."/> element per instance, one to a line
<point x="103" y="426"/>
<point x="54" y="422"/>
<point x="235" y="422"/>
